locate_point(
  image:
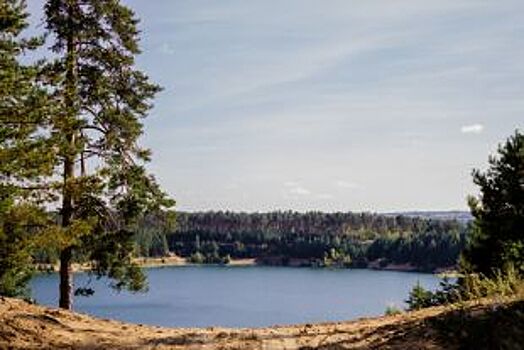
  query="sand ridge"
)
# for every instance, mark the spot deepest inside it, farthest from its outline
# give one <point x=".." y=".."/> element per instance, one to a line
<point x="27" y="326"/>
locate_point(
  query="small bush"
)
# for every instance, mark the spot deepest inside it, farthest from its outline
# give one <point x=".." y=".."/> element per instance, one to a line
<point x="420" y="298"/>
<point x="392" y="310"/>
<point x="196" y="258"/>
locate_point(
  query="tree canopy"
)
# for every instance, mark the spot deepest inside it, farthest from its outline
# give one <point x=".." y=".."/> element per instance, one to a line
<point x="312" y="238"/>
<point x="25" y="151"/>
<point x="498" y="236"/>
<point x="80" y="152"/>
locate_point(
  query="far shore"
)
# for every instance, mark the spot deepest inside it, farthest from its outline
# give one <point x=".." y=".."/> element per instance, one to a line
<point x="175" y="260"/>
<point x="146" y="262"/>
<point x="180" y="261"/>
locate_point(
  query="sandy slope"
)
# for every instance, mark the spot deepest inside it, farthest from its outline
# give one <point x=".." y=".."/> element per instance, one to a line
<point x="495" y="323"/>
<point x="25" y="326"/>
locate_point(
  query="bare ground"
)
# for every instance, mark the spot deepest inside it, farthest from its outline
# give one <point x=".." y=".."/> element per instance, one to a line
<point x="26" y="326"/>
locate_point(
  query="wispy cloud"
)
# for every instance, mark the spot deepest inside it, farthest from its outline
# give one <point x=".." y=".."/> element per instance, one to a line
<point x="472" y="129"/>
<point x="300" y="191"/>
<point x="294" y="188"/>
<point x="314" y="93"/>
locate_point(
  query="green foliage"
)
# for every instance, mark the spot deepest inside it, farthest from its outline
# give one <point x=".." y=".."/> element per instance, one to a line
<point x="197" y="258"/>
<point x="320" y="239"/>
<point x="419" y="298"/>
<point x="506" y="283"/>
<point x="25" y="149"/>
<point x="151" y="234"/>
<point x="103" y="100"/>
<point x="22" y="229"/>
<point x="209" y="254"/>
<point x="79" y="114"/>
<point x="392" y="310"/>
<point x="500" y="283"/>
<point x="336" y="258"/>
<point x="15" y="254"/>
<point x="493" y="261"/>
<point x="25" y="153"/>
<point x="449" y="292"/>
<point x="498" y="237"/>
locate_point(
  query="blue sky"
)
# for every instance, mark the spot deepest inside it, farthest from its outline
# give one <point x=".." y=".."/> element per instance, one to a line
<point x="328" y="105"/>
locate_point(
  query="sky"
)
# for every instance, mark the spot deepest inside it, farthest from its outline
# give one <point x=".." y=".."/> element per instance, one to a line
<point x="336" y="105"/>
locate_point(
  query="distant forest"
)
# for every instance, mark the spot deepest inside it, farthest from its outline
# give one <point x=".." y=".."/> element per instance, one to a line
<point x="307" y="239"/>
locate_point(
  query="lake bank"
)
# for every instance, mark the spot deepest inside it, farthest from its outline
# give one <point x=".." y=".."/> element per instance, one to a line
<point x="146" y="262"/>
<point x="175" y="260"/>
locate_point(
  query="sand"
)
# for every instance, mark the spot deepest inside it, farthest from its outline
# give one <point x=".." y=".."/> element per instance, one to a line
<point x="26" y="326"/>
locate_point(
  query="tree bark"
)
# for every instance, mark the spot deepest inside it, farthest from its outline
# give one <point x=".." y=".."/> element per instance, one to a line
<point x="66" y="280"/>
<point x="66" y="274"/>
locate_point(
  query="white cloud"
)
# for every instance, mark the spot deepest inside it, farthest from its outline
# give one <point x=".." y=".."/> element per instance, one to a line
<point x="346" y="184"/>
<point x="472" y="129"/>
<point x="294" y="188"/>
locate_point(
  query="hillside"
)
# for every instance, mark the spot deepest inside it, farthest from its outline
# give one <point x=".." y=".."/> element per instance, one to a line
<point x="26" y="326"/>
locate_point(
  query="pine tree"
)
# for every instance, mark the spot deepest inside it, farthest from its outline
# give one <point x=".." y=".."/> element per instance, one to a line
<point x="79" y="152"/>
<point x="497" y="239"/>
<point x="102" y="99"/>
<point x="26" y="153"/>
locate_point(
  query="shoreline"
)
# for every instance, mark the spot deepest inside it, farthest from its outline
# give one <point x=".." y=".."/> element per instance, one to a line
<point x="175" y="260"/>
<point x="147" y="262"/>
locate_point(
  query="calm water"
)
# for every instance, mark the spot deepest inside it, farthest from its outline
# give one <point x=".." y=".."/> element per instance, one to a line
<point x="204" y="296"/>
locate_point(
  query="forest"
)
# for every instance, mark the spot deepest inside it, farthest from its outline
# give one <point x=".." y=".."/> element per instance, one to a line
<point x="306" y="239"/>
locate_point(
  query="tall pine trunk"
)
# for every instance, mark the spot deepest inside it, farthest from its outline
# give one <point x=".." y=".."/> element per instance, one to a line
<point x="66" y="273"/>
<point x="66" y="280"/>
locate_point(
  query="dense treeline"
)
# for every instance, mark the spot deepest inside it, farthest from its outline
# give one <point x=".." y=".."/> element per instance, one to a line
<point x="313" y="238"/>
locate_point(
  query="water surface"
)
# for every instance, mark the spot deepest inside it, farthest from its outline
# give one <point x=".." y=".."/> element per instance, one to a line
<point x="202" y="296"/>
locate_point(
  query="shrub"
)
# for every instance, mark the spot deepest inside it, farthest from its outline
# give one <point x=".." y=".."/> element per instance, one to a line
<point x="392" y="310"/>
<point x="420" y="298"/>
<point x="502" y="283"/>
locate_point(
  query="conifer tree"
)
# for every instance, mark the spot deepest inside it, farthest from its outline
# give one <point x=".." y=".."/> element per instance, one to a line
<point x="78" y="151"/>
<point x="498" y="236"/>
<point x="102" y="100"/>
<point x="26" y="153"/>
